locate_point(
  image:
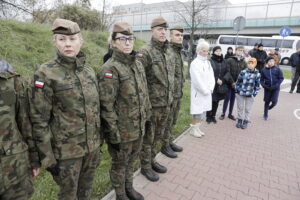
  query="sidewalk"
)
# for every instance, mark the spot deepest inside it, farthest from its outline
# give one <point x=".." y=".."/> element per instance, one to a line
<point x="259" y="163"/>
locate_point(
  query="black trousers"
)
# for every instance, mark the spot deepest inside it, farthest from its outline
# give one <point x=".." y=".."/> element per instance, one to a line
<point x="213" y="111"/>
<point x="294" y="82"/>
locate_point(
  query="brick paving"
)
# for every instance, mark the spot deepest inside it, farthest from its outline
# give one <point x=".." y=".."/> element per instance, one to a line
<point x="259" y="163"/>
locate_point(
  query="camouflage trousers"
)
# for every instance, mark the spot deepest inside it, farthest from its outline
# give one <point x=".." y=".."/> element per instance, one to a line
<point x="172" y="118"/>
<point x="75" y="176"/>
<point x="122" y="168"/>
<point x="20" y="191"/>
<point x="153" y="135"/>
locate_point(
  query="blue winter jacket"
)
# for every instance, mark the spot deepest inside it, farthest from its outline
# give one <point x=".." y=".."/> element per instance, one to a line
<point x="271" y="77"/>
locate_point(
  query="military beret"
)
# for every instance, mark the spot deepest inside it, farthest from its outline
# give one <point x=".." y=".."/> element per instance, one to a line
<point x="122" y="27"/>
<point x="177" y="28"/>
<point x="65" y="27"/>
<point x="159" y="21"/>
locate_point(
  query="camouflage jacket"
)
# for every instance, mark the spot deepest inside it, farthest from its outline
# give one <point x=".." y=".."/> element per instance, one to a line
<point x="159" y="73"/>
<point x="15" y="131"/>
<point x="65" y="109"/>
<point x="125" y="104"/>
<point x="175" y="53"/>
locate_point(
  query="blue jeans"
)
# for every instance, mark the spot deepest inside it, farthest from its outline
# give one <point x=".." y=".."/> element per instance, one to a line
<point x="230" y="97"/>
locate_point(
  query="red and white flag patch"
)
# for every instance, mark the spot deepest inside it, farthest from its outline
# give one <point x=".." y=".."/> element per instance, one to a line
<point x="39" y="84"/>
<point x="108" y="75"/>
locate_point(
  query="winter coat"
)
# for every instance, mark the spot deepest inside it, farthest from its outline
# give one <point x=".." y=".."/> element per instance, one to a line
<point x="228" y="55"/>
<point x="295" y="60"/>
<point x="202" y="85"/>
<point x="252" y="52"/>
<point x="220" y="72"/>
<point x="271" y="78"/>
<point x="247" y="83"/>
<point x="260" y="56"/>
<point x="235" y="66"/>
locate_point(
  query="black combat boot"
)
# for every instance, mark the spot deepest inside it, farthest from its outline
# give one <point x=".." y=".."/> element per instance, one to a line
<point x="132" y="194"/>
<point x="175" y="147"/>
<point x="213" y="119"/>
<point x="121" y="197"/>
<point x="166" y="149"/>
<point x="150" y="175"/>
<point x="159" y="168"/>
<point x="239" y="123"/>
<point x="244" y="124"/>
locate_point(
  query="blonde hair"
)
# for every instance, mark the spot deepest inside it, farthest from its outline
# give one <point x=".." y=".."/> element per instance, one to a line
<point x="202" y="44"/>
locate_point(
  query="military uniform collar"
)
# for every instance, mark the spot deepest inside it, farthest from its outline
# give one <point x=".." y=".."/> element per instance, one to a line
<point x="162" y="46"/>
<point x="123" y="57"/>
<point x="177" y="47"/>
<point x="8" y="74"/>
<point x="71" y="62"/>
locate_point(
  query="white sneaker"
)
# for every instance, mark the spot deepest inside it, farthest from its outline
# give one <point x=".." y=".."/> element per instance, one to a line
<point x="194" y="131"/>
<point x="198" y="127"/>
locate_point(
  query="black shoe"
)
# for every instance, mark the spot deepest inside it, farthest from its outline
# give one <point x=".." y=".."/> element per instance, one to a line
<point x="244" y="124"/>
<point x="132" y="194"/>
<point x="208" y="120"/>
<point x="175" y="147"/>
<point x="168" y="151"/>
<point x="297" y="91"/>
<point x="239" y="123"/>
<point x="159" y="168"/>
<point x="222" y="117"/>
<point x="121" y="197"/>
<point x="213" y="119"/>
<point x="291" y="92"/>
<point x="230" y="116"/>
<point x="150" y="175"/>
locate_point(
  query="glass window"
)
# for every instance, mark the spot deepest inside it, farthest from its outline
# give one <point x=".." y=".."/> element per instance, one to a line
<point x="298" y="45"/>
<point x="285" y="43"/>
<point x="242" y="41"/>
<point x="252" y="41"/>
<point x="269" y="42"/>
<point x="227" y="40"/>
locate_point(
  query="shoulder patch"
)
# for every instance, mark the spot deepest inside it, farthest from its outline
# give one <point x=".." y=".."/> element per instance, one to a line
<point x="108" y="75"/>
<point x="39" y="84"/>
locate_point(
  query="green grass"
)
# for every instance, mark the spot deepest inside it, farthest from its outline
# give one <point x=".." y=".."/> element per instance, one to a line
<point x="287" y="74"/>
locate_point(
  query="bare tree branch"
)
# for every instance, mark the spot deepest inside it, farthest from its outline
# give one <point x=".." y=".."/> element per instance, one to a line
<point x="16" y="6"/>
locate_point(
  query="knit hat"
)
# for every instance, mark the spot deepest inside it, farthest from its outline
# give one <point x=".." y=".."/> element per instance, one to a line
<point x="260" y="45"/>
<point x="253" y="60"/>
<point x="216" y="48"/>
<point x="229" y="48"/>
<point x="269" y="58"/>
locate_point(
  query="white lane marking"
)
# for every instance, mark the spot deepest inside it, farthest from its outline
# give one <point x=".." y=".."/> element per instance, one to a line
<point x="297" y="115"/>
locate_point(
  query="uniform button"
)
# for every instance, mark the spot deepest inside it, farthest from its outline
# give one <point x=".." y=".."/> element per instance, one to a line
<point x="8" y="151"/>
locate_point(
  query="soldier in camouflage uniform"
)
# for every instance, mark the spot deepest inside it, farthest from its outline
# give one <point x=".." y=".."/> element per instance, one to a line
<point x="175" y="53"/>
<point x="65" y="113"/>
<point x="125" y="107"/>
<point x="160" y="79"/>
<point x="18" y="158"/>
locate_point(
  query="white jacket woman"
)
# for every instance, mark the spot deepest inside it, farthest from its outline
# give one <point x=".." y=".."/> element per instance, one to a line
<point x="202" y="85"/>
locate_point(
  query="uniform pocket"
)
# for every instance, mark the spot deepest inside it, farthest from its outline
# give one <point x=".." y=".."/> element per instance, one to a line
<point x="8" y="97"/>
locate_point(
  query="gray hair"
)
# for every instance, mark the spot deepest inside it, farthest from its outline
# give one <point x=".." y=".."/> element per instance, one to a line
<point x="202" y="44"/>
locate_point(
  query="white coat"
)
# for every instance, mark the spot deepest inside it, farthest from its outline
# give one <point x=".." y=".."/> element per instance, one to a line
<point x="202" y="85"/>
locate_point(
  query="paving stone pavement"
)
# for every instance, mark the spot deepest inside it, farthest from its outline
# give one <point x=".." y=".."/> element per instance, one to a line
<point x="261" y="162"/>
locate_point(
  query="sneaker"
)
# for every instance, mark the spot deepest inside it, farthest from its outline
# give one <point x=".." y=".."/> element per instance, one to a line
<point x="222" y="117"/>
<point x="199" y="130"/>
<point x="194" y="131"/>
<point x="230" y="116"/>
<point x="244" y="124"/>
<point x="239" y="123"/>
<point x="208" y="120"/>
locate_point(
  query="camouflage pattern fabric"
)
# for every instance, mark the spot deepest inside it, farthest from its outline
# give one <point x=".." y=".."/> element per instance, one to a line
<point x="175" y="53"/>
<point x="23" y="190"/>
<point x="160" y="78"/>
<point x="15" y="134"/>
<point x="75" y="176"/>
<point x="122" y="168"/>
<point x="65" y="110"/>
<point x="125" y="108"/>
<point x="125" y="105"/>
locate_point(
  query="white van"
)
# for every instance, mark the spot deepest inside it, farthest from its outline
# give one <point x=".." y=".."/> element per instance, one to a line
<point x="289" y="44"/>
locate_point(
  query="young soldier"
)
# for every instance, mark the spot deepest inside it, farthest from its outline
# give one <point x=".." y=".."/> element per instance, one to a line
<point x="175" y="54"/>
<point x="18" y="158"/>
<point x="65" y="112"/>
<point x="124" y="105"/>
<point x="160" y="79"/>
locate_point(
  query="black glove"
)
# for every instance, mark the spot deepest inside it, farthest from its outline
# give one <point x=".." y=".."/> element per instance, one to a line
<point x="53" y="169"/>
<point x="116" y="146"/>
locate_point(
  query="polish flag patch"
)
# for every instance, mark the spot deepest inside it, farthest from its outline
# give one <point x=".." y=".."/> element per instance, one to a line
<point x="108" y="75"/>
<point x="39" y="84"/>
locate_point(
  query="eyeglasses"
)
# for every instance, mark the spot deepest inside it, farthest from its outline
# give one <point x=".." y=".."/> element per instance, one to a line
<point x="125" y="39"/>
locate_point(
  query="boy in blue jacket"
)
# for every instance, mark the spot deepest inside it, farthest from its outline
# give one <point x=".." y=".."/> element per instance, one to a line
<point x="271" y="78"/>
<point x="247" y="86"/>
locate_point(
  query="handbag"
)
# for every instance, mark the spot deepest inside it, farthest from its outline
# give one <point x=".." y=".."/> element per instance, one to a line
<point x="222" y="89"/>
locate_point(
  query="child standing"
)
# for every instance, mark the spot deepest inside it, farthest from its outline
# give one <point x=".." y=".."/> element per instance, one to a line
<point x="271" y="78"/>
<point x="247" y="86"/>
